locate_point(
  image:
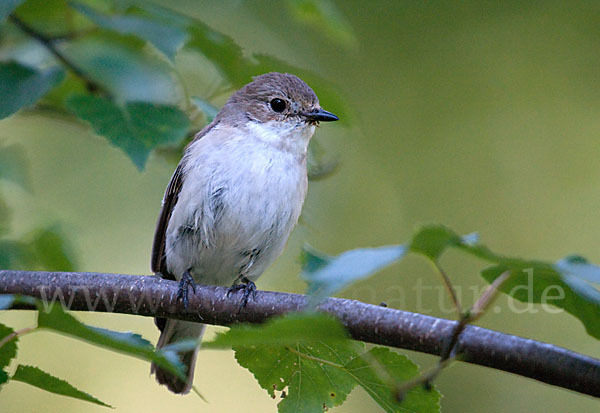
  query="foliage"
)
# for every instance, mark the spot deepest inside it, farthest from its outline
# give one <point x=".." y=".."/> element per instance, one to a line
<point x="52" y="317"/>
<point x="39" y="378"/>
<point x="570" y="284"/>
<point x="121" y="66"/>
<point x="43" y="248"/>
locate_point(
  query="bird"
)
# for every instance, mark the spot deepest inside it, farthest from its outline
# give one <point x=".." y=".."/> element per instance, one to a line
<point x="234" y="199"/>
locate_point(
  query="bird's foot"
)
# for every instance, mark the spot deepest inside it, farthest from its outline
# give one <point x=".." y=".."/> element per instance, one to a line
<point x="185" y="283"/>
<point x="249" y="288"/>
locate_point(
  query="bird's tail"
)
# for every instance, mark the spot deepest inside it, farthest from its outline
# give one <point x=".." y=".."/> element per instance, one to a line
<point x="176" y="330"/>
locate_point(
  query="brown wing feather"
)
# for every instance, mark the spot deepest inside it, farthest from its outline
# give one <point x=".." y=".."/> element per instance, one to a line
<point x="160" y="235"/>
<point x="159" y="261"/>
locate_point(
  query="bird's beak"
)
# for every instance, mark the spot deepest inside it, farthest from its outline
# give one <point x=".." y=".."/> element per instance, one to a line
<point x="320" y="115"/>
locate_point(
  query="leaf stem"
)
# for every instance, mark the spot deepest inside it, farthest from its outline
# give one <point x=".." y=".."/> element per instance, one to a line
<point x="450" y="351"/>
<point x="450" y="289"/>
<point x="49" y="43"/>
<point x="16" y="333"/>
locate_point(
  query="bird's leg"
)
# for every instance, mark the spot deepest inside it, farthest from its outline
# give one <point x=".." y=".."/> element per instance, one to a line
<point x="249" y="288"/>
<point x="185" y="283"/>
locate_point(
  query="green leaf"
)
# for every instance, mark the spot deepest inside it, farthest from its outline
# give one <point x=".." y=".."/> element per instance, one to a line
<point x="565" y="284"/>
<point x="54" y="318"/>
<point x="42" y="380"/>
<point x="126" y="67"/>
<point x="166" y="38"/>
<point x="310" y="384"/>
<point x="13" y="165"/>
<point x="324" y="16"/>
<point x="51" y="251"/>
<point x="309" y="357"/>
<point x="543" y="284"/>
<point x="399" y="368"/>
<point x="51" y="17"/>
<point x="21" y="86"/>
<point x="7" y="7"/>
<point x="14" y="255"/>
<point x="433" y="240"/>
<point x="238" y="68"/>
<point x="3" y="378"/>
<point x="9" y="350"/>
<point x="136" y="128"/>
<point x="579" y="267"/>
<point x="288" y="330"/>
<point x="326" y="274"/>
<point x="274" y="351"/>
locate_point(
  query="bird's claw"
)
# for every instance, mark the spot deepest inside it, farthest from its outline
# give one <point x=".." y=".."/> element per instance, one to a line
<point x="249" y="288"/>
<point x="185" y="283"/>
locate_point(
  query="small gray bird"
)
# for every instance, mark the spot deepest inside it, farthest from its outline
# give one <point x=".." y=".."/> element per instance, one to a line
<point x="234" y="198"/>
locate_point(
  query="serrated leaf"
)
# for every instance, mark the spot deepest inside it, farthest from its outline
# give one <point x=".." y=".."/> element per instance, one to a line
<point x="13" y="165"/>
<point x="310" y="384"/>
<point x="42" y="380"/>
<point x="21" y="86"/>
<point x="136" y="128"/>
<point x="564" y="284"/>
<point x="54" y="318"/>
<point x="7" y="7"/>
<point x="288" y="330"/>
<point x="3" y="378"/>
<point x="166" y="38"/>
<point x="8" y="351"/>
<point x="309" y="357"/>
<point x="399" y="368"/>
<point x="274" y="352"/>
<point x="327" y="275"/>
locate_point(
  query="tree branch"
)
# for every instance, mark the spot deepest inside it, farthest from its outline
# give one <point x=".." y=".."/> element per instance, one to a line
<point x="152" y="296"/>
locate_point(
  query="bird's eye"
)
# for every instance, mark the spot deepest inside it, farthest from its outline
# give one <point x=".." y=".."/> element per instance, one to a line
<point x="278" y="105"/>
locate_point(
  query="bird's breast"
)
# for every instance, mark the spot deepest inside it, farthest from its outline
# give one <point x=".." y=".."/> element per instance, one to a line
<point x="239" y="202"/>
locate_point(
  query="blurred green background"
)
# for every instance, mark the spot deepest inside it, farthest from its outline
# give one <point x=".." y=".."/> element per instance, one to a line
<point x="481" y="115"/>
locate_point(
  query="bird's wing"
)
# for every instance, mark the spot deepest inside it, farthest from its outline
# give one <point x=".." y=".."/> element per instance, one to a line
<point x="159" y="260"/>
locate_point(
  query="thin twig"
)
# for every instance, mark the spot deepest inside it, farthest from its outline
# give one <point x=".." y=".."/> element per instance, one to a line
<point x="452" y="350"/>
<point x="49" y="43"/>
<point x="449" y="288"/>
